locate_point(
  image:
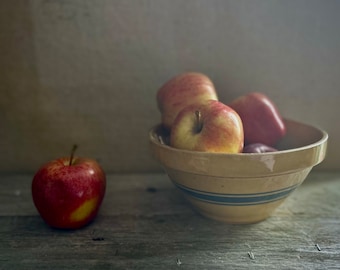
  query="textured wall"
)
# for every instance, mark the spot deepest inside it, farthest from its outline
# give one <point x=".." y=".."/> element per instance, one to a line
<point x="87" y="71"/>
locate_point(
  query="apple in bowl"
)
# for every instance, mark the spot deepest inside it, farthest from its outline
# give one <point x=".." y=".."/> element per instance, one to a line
<point x="181" y="91"/>
<point x="258" y="148"/>
<point x="262" y="121"/>
<point x="209" y="127"/>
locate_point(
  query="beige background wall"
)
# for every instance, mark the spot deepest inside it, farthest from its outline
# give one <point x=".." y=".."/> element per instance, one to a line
<point x="87" y="72"/>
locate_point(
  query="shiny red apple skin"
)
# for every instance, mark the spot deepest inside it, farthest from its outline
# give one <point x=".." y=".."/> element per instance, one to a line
<point x="262" y="121"/>
<point x="69" y="197"/>
<point x="181" y="91"/>
<point x="221" y="129"/>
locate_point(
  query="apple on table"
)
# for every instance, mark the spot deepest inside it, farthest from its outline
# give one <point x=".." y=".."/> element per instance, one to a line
<point x="210" y="127"/>
<point x="181" y="91"/>
<point x="68" y="192"/>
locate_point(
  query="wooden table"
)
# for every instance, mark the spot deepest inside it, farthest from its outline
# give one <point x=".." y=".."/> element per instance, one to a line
<point x="144" y="223"/>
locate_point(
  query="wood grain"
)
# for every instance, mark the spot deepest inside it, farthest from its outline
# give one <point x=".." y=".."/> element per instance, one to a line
<point x="144" y="223"/>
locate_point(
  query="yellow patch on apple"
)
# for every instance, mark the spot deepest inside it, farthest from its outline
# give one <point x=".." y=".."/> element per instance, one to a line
<point x="84" y="210"/>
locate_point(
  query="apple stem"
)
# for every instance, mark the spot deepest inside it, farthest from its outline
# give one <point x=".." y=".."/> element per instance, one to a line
<point x="199" y="121"/>
<point x="74" y="148"/>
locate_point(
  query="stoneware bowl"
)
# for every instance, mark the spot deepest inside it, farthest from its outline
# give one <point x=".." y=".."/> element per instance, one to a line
<point x="241" y="188"/>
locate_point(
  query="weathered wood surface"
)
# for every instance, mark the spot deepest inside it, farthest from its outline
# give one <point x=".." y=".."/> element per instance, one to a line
<point x="145" y="223"/>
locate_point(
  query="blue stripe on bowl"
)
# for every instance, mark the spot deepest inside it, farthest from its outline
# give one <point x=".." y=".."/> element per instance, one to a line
<point x="238" y="199"/>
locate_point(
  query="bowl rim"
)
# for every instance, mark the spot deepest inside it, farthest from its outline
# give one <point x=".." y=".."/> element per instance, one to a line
<point x="323" y="139"/>
<point x="285" y="160"/>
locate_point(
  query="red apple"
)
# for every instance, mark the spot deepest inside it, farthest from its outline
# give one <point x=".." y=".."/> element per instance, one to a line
<point x="258" y="148"/>
<point x="262" y="122"/>
<point x="209" y="127"/>
<point x="181" y="91"/>
<point x="68" y="192"/>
